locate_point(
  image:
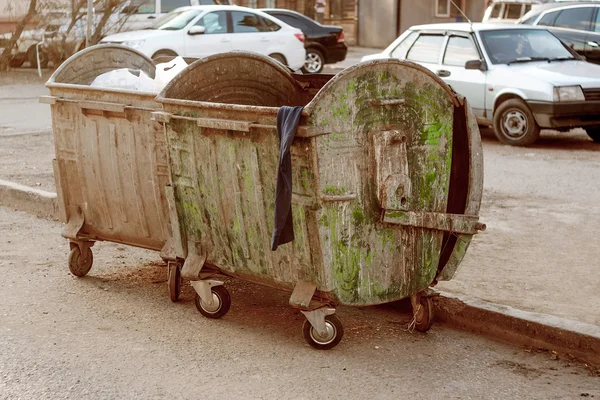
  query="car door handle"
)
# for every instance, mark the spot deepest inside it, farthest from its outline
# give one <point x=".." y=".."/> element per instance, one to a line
<point x="224" y="40"/>
<point x="442" y="73"/>
<point x="593" y="44"/>
<point x="264" y="40"/>
<point x="151" y="17"/>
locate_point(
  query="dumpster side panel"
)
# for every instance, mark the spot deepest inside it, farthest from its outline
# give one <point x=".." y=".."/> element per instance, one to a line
<point x="113" y="166"/>
<point x="391" y="125"/>
<point x="225" y="188"/>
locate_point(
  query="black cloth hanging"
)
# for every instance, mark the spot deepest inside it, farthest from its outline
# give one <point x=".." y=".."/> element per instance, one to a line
<point x="287" y="123"/>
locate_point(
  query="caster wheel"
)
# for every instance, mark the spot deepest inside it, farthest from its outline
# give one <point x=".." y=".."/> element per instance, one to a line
<point x="424" y="314"/>
<point x="220" y="304"/>
<point x="174" y="281"/>
<point x="335" y="332"/>
<point x="78" y="264"/>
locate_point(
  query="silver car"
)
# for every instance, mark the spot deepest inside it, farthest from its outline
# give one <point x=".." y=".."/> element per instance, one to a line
<point x="517" y="79"/>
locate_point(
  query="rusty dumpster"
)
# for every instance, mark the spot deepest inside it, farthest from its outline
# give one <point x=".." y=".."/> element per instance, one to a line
<point x="387" y="184"/>
<point x="111" y="160"/>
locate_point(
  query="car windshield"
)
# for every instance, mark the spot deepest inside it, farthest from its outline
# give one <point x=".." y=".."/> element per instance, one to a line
<point x="509" y="46"/>
<point x="176" y="20"/>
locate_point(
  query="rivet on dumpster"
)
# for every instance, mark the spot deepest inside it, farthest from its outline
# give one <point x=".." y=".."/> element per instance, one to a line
<point x="386" y="172"/>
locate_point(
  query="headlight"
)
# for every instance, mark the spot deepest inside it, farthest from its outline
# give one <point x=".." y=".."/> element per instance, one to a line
<point x="568" y="93"/>
<point x="134" y="44"/>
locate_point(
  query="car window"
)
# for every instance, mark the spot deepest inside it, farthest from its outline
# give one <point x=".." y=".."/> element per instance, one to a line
<point x="460" y="50"/>
<point x="292" y="21"/>
<point x="402" y="48"/>
<point x="176" y="20"/>
<point x="170" y="5"/>
<point x="271" y="26"/>
<point x="530" y="20"/>
<point x="512" y="11"/>
<point x="140" y="7"/>
<point x="597" y="27"/>
<point x="244" y="22"/>
<point x="526" y="8"/>
<point x="496" y="10"/>
<point x="426" y="49"/>
<point x="214" y="22"/>
<point x="575" y="18"/>
<point x="548" y="19"/>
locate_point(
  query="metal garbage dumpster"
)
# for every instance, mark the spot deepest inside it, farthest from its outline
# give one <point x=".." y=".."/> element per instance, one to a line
<point x="111" y="160"/>
<point x="387" y="183"/>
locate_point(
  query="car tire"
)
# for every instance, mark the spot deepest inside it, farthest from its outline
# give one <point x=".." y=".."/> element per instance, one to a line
<point x="32" y="58"/>
<point x="17" y="62"/>
<point x="163" y="53"/>
<point x="514" y="123"/>
<point x="594" y="133"/>
<point x="280" y="58"/>
<point x="314" y="62"/>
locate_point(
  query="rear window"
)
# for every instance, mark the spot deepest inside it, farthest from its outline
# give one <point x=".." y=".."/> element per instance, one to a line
<point x="578" y="18"/>
<point x="496" y="10"/>
<point x="402" y="48"/>
<point x="426" y="49"/>
<point x="170" y="5"/>
<point x="244" y="22"/>
<point x="271" y="26"/>
<point x="513" y="11"/>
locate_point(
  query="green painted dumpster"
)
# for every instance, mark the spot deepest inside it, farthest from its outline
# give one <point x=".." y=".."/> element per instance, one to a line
<point x="387" y="183"/>
<point x="111" y="159"/>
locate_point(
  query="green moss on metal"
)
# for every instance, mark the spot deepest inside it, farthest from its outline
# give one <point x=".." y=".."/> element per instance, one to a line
<point x="334" y="191"/>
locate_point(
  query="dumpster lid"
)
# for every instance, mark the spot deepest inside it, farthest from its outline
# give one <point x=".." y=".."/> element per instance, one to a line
<point x="238" y="78"/>
<point x="84" y="66"/>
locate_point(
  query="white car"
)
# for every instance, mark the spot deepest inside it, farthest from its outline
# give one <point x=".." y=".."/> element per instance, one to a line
<point x="519" y="79"/>
<point x="200" y="31"/>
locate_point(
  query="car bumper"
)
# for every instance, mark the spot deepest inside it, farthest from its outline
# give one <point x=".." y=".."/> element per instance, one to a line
<point x="336" y="54"/>
<point x="566" y="115"/>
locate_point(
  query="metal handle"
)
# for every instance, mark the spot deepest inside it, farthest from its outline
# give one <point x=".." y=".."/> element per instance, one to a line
<point x="151" y="17"/>
<point x="593" y="44"/>
<point x="442" y="73"/>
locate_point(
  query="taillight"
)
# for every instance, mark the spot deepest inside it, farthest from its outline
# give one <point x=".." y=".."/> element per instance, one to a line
<point x="300" y="36"/>
<point x="341" y="37"/>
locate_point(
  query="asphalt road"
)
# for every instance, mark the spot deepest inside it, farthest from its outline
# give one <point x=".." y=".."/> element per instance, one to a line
<point x="115" y="334"/>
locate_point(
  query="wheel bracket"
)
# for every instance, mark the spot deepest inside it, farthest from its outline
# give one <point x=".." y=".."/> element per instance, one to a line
<point x="203" y="288"/>
<point x="317" y="319"/>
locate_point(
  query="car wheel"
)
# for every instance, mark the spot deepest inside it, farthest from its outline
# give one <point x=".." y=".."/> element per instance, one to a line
<point x="514" y="123"/>
<point x="32" y="58"/>
<point x="594" y="133"/>
<point x="163" y="53"/>
<point x="314" y="61"/>
<point x="279" y="57"/>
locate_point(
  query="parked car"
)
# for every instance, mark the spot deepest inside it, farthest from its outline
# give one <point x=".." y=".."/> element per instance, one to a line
<point x="142" y="14"/>
<point x="200" y="31"/>
<point x="324" y="43"/>
<point x="518" y="79"/>
<point x="578" y="25"/>
<point x="507" y="11"/>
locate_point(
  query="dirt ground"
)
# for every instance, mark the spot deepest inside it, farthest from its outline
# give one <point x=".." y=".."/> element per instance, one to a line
<point x="115" y="334"/>
<point x="541" y="205"/>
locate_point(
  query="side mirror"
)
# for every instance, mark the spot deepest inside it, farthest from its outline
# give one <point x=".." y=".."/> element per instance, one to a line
<point x="196" y="30"/>
<point x="475" y="64"/>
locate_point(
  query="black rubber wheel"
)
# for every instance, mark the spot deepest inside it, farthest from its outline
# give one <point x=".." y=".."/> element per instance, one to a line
<point x="17" y="62"/>
<point x="32" y="58"/>
<point x="174" y="281"/>
<point x="424" y="315"/>
<point x="314" y="62"/>
<point x="594" y="133"/>
<point x="78" y="265"/>
<point x="221" y="303"/>
<point x="514" y="123"/>
<point x="163" y="53"/>
<point x="280" y="58"/>
<point x="335" y="331"/>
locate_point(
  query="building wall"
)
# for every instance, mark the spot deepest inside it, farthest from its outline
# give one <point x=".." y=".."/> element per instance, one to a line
<point x="377" y="22"/>
<point x="417" y="12"/>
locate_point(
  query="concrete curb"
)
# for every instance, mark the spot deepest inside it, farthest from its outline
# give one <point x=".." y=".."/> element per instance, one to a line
<point x="462" y="312"/>
<point x="522" y="327"/>
<point x="28" y="199"/>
